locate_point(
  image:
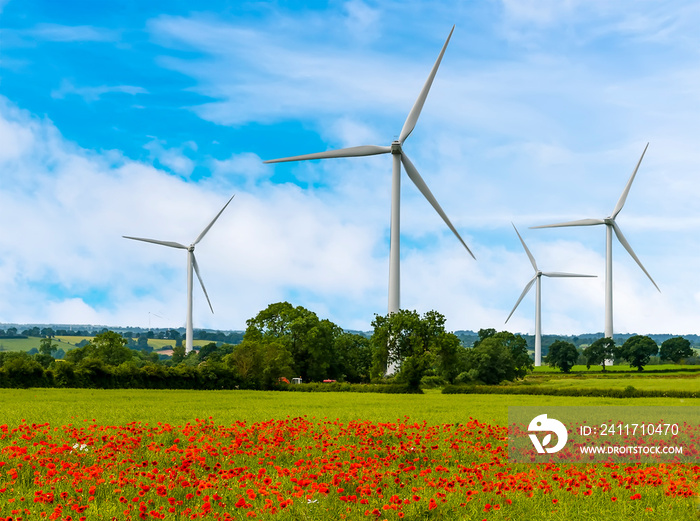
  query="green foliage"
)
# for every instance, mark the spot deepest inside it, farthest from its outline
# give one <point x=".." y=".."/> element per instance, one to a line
<point x="675" y="349"/>
<point x="415" y="344"/>
<point x="20" y="370"/>
<point x="310" y="341"/>
<point x="344" y="387"/>
<point x="599" y="351"/>
<point x="353" y="358"/>
<point x="496" y="357"/>
<point x="431" y="382"/>
<point x="178" y="353"/>
<point x="562" y="355"/>
<point x="44" y="360"/>
<point x="108" y="347"/>
<point x="47" y="346"/>
<point x="491" y="361"/>
<point x="638" y="350"/>
<point x="259" y="364"/>
<point x="627" y="392"/>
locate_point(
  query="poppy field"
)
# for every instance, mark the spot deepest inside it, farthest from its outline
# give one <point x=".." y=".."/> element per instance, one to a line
<point x="135" y="455"/>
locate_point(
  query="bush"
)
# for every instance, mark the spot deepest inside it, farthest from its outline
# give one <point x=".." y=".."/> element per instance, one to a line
<point x="431" y="382"/>
<point x="628" y="392"/>
<point x="338" y="387"/>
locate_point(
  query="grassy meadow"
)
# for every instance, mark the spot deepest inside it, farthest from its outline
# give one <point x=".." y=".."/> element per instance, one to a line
<point x="117" y="406"/>
<point x="69" y="342"/>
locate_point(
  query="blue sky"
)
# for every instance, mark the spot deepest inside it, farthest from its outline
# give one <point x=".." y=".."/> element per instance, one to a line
<point x="143" y="118"/>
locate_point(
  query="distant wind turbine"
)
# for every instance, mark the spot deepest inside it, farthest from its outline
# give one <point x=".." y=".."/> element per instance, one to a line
<point x="538" y="297"/>
<point x="191" y="263"/>
<point x="610" y="226"/>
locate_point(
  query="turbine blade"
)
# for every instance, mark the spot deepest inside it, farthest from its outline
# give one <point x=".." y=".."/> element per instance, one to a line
<point x="204" y="232"/>
<point x="364" y="150"/>
<point x="522" y="296"/>
<point x="420" y="184"/>
<point x="532" y="259"/>
<point x="196" y="270"/>
<point x="581" y="222"/>
<point x="627" y="246"/>
<point x="162" y="243"/>
<point x="623" y="197"/>
<point x="412" y="118"/>
<point x="560" y="274"/>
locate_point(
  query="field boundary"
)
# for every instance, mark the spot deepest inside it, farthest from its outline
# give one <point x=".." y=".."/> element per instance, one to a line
<point x="628" y="392"/>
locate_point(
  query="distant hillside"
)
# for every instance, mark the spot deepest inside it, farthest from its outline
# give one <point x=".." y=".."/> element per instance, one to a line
<point x="468" y="337"/>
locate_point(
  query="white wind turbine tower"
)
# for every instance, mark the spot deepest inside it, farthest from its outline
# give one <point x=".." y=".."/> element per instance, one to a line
<point x="191" y="263"/>
<point x="538" y="297"/>
<point x="399" y="157"/>
<point x="610" y="227"/>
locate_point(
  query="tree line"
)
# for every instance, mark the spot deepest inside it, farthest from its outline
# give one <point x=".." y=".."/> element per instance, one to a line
<point x="283" y="342"/>
<point x="637" y="351"/>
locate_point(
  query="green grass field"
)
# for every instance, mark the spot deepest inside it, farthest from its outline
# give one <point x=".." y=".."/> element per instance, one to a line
<point x="69" y="342"/>
<point x="649" y="383"/>
<point x="59" y="406"/>
<point x="595" y="369"/>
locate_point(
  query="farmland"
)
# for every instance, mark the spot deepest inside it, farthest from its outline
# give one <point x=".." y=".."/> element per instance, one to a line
<point x="69" y="342"/>
<point x="277" y="455"/>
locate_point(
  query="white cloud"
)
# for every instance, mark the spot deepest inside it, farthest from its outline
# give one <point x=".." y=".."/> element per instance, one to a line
<point x="543" y="125"/>
<point x="246" y="166"/>
<point x="362" y="20"/>
<point x="173" y="158"/>
<point x="90" y="94"/>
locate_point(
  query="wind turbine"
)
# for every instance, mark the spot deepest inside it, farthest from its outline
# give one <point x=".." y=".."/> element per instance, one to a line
<point x="538" y="297"/>
<point x="191" y="263"/>
<point x="399" y="157"/>
<point x="610" y="227"/>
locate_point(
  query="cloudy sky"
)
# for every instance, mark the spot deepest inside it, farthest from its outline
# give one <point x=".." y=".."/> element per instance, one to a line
<point x="143" y="118"/>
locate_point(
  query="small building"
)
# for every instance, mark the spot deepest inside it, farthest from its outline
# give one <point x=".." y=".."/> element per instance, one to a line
<point x="296" y="380"/>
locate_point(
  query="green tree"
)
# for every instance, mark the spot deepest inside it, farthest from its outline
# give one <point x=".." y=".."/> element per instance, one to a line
<point x="638" y="350"/>
<point x="517" y="345"/>
<point x="562" y="355"/>
<point x="178" y="354"/>
<point x="675" y="349"/>
<point x="44" y="360"/>
<point x="353" y="357"/>
<point x="46" y="346"/>
<point x="491" y="361"/>
<point x="309" y="340"/>
<point x="108" y="346"/>
<point x="415" y="344"/>
<point x="260" y="364"/>
<point x="21" y="370"/>
<point x="63" y="374"/>
<point x="599" y="352"/>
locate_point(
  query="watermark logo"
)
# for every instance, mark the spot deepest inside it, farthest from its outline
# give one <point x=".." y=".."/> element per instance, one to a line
<point x="542" y="423"/>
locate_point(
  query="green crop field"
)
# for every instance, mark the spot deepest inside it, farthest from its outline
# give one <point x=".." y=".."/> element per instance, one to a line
<point x="156" y="343"/>
<point x="20" y="344"/>
<point x="582" y="369"/>
<point x="68" y="342"/>
<point x="59" y="406"/>
<point x="658" y="383"/>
